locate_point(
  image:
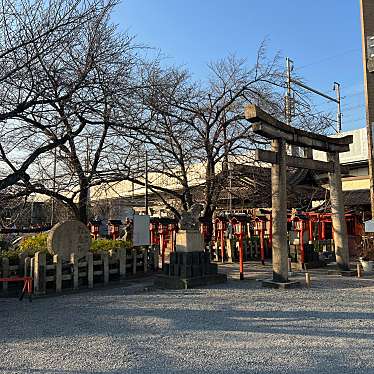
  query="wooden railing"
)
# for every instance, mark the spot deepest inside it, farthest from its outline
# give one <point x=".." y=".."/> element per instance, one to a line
<point x="53" y="275"/>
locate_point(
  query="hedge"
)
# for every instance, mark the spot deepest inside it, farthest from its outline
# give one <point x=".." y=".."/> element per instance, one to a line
<point x="38" y="243"/>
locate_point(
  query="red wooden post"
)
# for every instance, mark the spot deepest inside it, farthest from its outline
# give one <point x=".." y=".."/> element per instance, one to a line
<point x="241" y="270"/>
<point x="262" y="243"/>
<point x="301" y="242"/>
<point x="323" y="235"/>
<point x="271" y="231"/>
<point x="151" y="232"/>
<point x="222" y="245"/>
<point x="162" y="244"/>
<point x="171" y="234"/>
<point x="310" y="230"/>
<point x="222" y="237"/>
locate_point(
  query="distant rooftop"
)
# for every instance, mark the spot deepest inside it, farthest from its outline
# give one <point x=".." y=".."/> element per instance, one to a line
<point x="358" y="150"/>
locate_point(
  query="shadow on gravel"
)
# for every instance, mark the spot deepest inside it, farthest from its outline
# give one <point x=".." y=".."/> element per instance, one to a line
<point x="179" y="311"/>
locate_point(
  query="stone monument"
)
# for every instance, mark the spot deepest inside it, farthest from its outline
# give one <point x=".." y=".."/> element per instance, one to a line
<point x="189" y="265"/>
<point x="69" y="237"/>
<point x="188" y="238"/>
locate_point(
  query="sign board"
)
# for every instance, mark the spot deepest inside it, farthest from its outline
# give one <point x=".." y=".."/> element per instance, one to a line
<point x="369" y="226"/>
<point x="370" y="65"/>
<point x="141" y="233"/>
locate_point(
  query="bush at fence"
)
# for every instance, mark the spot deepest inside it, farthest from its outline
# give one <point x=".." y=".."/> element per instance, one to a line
<point x="29" y="246"/>
<point x="38" y="243"/>
<point x="105" y="245"/>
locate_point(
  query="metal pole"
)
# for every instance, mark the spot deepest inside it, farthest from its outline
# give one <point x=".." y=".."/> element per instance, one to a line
<point x="230" y="189"/>
<point x="367" y="27"/>
<point x="54" y="186"/>
<point x="313" y="90"/>
<point x="288" y="105"/>
<point x="339" y="112"/>
<point x="289" y="101"/>
<point x="146" y="183"/>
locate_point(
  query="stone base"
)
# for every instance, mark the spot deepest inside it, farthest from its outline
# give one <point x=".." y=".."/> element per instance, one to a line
<point x="334" y="269"/>
<point x="269" y="283"/>
<point x="164" y="281"/>
<point x="189" y="241"/>
<point x="188" y="270"/>
<point x="314" y="265"/>
<point x="343" y="273"/>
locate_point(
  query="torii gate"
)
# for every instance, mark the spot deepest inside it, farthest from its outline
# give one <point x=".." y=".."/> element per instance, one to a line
<point x="281" y="134"/>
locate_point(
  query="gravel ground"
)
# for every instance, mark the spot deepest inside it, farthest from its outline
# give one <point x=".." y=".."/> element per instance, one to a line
<point x="237" y="327"/>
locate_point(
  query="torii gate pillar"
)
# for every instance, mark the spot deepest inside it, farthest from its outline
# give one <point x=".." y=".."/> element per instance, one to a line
<point x="281" y="134"/>
<point x="337" y="214"/>
<point x="279" y="212"/>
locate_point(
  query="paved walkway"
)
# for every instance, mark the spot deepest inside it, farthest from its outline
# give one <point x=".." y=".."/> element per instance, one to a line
<point x="237" y="327"/>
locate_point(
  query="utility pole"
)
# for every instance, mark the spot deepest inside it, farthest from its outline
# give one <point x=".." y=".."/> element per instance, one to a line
<point x="289" y="105"/>
<point x="288" y="98"/>
<point x="339" y="111"/>
<point x="367" y="30"/>
<point x="146" y="183"/>
<point x="53" y="207"/>
<point x="290" y="101"/>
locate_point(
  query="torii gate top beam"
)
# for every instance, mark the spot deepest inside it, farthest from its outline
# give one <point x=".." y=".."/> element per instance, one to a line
<point x="270" y="127"/>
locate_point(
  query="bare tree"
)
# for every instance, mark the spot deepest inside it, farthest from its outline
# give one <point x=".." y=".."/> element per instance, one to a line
<point x="81" y="78"/>
<point x="194" y="132"/>
<point x="35" y="34"/>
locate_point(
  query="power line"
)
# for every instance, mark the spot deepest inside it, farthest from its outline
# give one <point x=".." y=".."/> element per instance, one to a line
<point x="328" y="58"/>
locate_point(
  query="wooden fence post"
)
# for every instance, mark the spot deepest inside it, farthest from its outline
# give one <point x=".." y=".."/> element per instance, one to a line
<point x="32" y="266"/>
<point x="40" y="268"/>
<point x="5" y="271"/>
<point x="89" y="258"/>
<point x="105" y="259"/>
<point x="75" y="269"/>
<point x="21" y="270"/>
<point x="58" y="272"/>
<point x="145" y="259"/>
<point x="27" y="267"/>
<point x="122" y="262"/>
<point x="134" y="253"/>
<point x="156" y="258"/>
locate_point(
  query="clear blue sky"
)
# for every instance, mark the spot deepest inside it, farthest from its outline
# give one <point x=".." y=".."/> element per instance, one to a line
<point x="323" y="37"/>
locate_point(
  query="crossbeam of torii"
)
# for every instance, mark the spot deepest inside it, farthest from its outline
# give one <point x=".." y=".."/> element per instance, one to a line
<point x="281" y="134"/>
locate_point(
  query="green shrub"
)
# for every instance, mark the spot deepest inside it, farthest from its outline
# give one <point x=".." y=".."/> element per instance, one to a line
<point x="12" y="255"/>
<point x="105" y="245"/>
<point x="33" y="244"/>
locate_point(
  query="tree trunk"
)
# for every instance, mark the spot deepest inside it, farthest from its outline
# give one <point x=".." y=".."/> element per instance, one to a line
<point x="208" y="219"/>
<point x="83" y="202"/>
